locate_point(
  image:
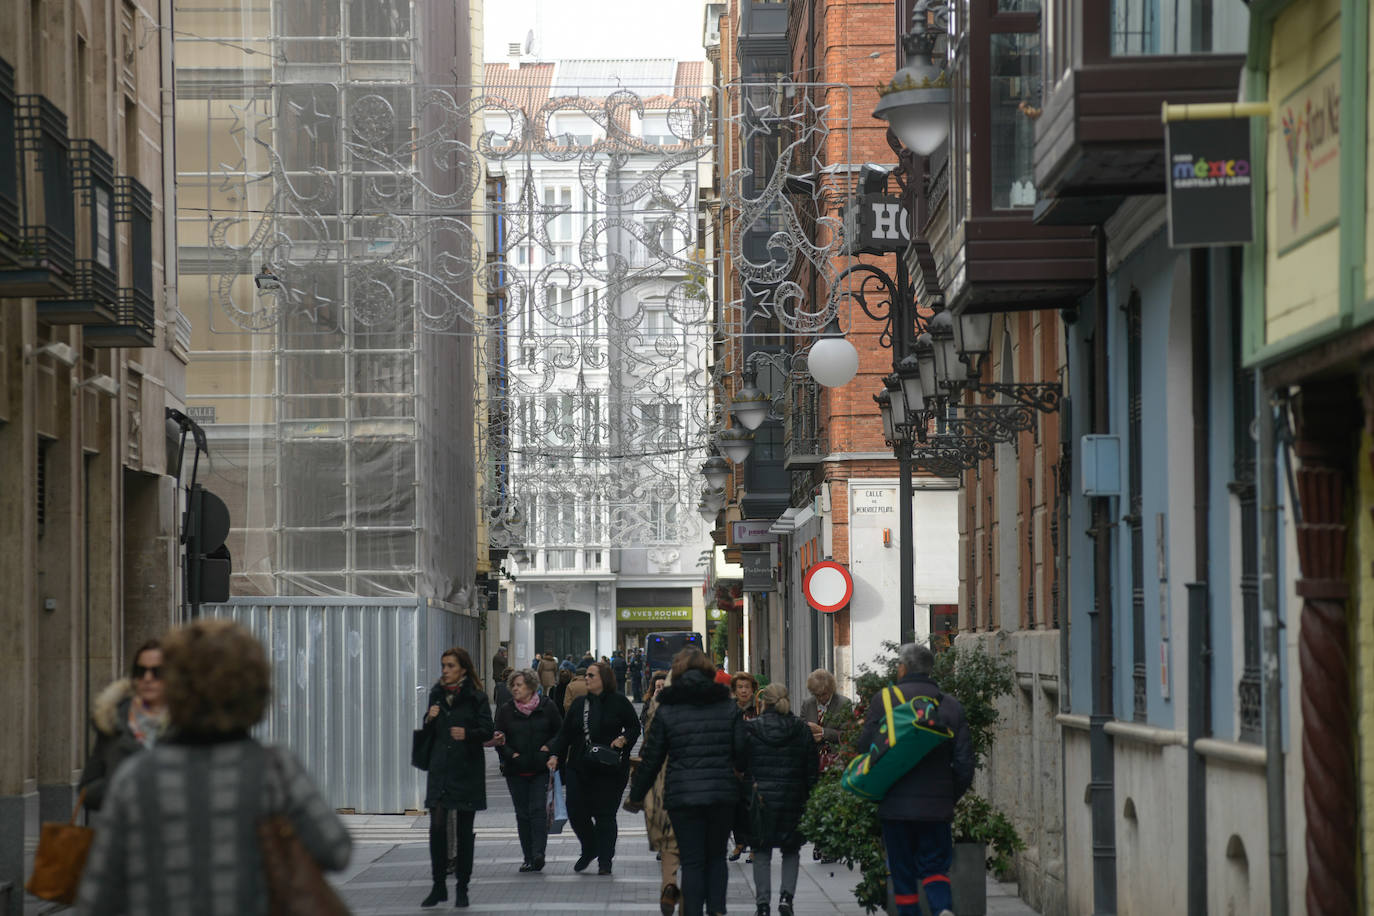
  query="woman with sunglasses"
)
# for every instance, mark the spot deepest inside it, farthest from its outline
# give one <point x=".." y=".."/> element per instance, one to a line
<point x="597" y="735"/>
<point x="129" y="716"/>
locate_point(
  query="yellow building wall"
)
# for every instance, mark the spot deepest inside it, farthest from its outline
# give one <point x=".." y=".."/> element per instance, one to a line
<point x="1302" y="285"/>
<point x="1364" y="657"/>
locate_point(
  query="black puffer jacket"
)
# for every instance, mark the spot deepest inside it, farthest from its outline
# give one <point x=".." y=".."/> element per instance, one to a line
<point x="610" y="715"/>
<point x="525" y="735"/>
<point x="457" y="769"/>
<point x="698" y="730"/>
<point x="930" y="789"/>
<point x="783" y="762"/>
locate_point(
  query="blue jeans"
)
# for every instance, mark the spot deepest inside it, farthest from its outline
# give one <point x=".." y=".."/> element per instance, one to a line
<point x="919" y="855"/>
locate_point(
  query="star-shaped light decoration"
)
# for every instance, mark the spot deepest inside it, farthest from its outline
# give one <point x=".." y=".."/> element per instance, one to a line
<point x="316" y="308"/>
<point x="309" y="120"/>
<point x="527" y="218"/>
<point x="246" y="130"/>
<point x="756" y="120"/>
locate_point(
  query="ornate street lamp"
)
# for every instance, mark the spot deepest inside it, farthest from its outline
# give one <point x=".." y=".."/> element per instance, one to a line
<point x="714" y="498"/>
<point x="833" y="360"/>
<point x="750" y="405"/>
<point x="708" y="515"/>
<point x="716" y="470"/>
<point x="909" y="376"/>
<point x="735" y="443"/>
<point x="972" y="338"/>
<point x="885" y="411"/>
<point x="915" y="104"/>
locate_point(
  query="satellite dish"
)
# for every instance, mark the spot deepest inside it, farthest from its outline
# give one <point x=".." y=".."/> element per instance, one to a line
<point x="529" y="41"/>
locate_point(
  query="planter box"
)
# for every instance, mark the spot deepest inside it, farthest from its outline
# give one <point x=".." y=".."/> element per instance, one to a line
<point x="969" y="879"/>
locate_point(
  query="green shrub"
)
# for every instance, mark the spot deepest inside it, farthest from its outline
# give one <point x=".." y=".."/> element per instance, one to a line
<point x="977" y="821"/>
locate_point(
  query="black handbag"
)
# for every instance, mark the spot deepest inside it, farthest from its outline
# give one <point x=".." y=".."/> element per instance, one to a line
<point x="421" y="747"/>
<point x="601" y="756"/>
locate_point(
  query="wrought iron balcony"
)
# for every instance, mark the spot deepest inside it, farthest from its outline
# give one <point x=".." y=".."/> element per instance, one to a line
<point x="802" y="444"/>
<point x="135" y="323"/>
<point x="41" y="257"/>
<point x="94" y="298"/>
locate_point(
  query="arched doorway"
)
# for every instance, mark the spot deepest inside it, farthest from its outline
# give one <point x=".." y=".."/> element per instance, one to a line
<point x="565" y="632"/>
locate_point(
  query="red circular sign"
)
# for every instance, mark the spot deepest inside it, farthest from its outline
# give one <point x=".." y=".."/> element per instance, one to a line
<point x="828" y="586"/>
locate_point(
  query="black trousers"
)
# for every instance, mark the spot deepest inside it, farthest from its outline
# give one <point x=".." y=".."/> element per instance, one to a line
<point x="592" y="802"/>
<point x="701" y="837"/>
<point x="438" y="845"/>
<point x="530" y="795"/>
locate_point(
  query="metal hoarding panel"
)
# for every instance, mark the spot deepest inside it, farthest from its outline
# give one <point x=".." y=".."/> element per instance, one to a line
<point x="350" y="679"/>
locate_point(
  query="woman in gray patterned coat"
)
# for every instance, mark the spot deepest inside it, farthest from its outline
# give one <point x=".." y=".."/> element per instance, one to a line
<point x="178" y="830"/>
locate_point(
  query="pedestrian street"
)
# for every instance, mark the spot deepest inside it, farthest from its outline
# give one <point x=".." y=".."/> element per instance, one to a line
<point x="389" y="871"/>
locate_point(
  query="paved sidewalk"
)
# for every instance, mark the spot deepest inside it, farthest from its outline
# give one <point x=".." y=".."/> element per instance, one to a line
<point x="389" y="873"/>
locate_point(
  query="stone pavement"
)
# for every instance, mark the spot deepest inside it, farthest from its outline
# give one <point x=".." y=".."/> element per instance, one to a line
<point x="389" y="873"/>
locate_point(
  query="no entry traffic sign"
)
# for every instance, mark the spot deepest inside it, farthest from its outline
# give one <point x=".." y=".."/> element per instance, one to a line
<point x="828" y="586"/>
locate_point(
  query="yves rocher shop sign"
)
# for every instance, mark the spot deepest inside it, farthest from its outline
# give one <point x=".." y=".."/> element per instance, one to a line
<point x="1209" y="190"/>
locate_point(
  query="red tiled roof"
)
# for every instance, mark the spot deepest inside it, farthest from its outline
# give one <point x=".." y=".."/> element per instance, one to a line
<point x="526" y="86"/>
<point x="691" y="79"/>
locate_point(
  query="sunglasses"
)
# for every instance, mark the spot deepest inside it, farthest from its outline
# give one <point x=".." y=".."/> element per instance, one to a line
<point x="154" y="670"/>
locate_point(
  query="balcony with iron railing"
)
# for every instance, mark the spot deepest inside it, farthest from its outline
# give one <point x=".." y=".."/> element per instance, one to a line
<point x="803" y="444"/>
<point x="37" y="231"/>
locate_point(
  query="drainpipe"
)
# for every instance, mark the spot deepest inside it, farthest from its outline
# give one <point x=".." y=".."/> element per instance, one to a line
<point x="1199" y="645"/>
<point x="1101" y="785"/>
<point x="1270" y="627"/>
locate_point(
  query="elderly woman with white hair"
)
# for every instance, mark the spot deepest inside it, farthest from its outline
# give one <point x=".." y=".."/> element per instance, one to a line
<point x="527" y="722"/>
<point x="821" y="712"/>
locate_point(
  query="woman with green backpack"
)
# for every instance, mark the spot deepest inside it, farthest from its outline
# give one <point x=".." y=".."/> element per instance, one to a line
<point x="782" y="764"/>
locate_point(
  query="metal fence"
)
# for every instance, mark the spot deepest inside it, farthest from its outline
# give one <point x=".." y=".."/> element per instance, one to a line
<point x="350" y="679"/>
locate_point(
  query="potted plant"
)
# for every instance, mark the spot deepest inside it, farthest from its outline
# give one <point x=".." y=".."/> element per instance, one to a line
<point x="845" y="828"/>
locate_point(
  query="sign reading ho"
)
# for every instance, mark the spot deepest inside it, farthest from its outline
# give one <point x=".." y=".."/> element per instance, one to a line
<point x="876" y="224"/>
<point x="1208" y="184"/>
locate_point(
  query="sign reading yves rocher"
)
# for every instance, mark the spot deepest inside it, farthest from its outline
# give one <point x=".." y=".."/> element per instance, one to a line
<point x="1209" y="182"/>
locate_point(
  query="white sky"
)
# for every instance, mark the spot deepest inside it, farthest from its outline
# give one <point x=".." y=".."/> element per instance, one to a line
<point x="596" y="28"/>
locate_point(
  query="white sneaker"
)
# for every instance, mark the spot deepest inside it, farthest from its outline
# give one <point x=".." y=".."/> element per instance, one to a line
<point x="946" y="913"/>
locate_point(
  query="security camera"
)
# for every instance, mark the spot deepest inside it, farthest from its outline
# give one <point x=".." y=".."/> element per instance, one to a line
<point x="59" y="351"/>
<point x="102" y="383"/>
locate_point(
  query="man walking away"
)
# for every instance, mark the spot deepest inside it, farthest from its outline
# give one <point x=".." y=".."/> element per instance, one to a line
<point x="917" y="811"/>
<point x="620" y="669"/>
<point x="636" y="675"/>
<point x="499" y="663"/>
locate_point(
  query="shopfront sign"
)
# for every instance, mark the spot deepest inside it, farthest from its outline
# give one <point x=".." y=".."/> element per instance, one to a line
<point x="1209" y="183"/>
<point x="751" y="532"/>
<point x="654" y="614"/>
<point x="758" y="571"/>
<point x="1307" y="170"/>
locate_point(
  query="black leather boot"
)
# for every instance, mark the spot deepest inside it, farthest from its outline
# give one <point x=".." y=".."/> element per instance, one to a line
<point x="438" y="893"/>
<point x="460" y="895"/>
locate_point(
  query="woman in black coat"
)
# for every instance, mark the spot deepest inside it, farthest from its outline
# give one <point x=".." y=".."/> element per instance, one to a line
<point x="603" y="717"/>
<point x="459" y="720"/>
<point x="783" y="766"/>
<point x="525" y="724"/>
<point x="698" y="730"/>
